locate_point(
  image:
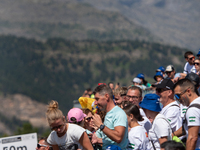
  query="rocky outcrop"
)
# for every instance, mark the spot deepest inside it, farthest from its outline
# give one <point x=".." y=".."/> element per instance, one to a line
<point x="23" y="108"/>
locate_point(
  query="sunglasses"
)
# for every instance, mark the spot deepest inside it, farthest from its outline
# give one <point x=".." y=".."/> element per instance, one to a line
<point x="57" y="127"/>
<point x="159" y="90"/>
<point x="196" y="63"/>
<point x="133" y="97"/>
<point x="178" y="96"/>
<point x="168" y="72"/>
<point x="89" y="118"/>
<point x="40" y="145"/>
<point x="191" y="58"/>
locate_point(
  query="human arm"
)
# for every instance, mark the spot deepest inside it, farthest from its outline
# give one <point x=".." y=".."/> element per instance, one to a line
<point x="192" y="137"/>
<point x="55" y="147"/>
<point x="179" y="132"/>
<point x="85" y="142"/>
<point x="115" y="135"/>
<point x="162" y="139"/>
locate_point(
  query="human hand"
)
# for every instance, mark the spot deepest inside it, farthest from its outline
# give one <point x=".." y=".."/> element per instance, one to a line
<point x="97" y="120"/>
<point x="94" y="139"/>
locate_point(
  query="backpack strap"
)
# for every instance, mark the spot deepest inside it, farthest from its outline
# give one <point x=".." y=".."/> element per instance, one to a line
<point x="174" y="105"/>
<point x="185" y="120"/>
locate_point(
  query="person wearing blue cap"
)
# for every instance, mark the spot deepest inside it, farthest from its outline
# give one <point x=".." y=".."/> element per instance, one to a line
<point x="198" y="54"/>
<point x="161" y="130"/>
<point x="143" y="81"/>
<point x="158" y="77"/>
<point x="161" y="69"/>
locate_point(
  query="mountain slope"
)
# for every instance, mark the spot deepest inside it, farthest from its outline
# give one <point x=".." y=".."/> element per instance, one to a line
<point x="59" y="18"/>
<point x="176" y="22"/>
<point x="62" y="70"/>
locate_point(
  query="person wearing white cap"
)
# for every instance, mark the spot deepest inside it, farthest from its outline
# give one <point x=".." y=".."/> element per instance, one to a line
<point x="170" y="71"/>
<point x="137" y="82"/>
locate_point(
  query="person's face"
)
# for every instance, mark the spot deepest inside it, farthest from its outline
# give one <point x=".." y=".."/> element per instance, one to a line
<point x="58" y="126"/>
<point x="133" y="96"/>
<point x="158" y="78"/>
<point x="164" y="95"/>
<point x="111" y="85"/>
<point x="42" y="145"/>
<point x="182" y="95"/>
<point x="118" y="99"/>
<point x="101" y="101"/>
<point x="89" y="120"/>
<point x="197" y="65"/>
<point x="190" y="59"/>
<point x="148" y="114"/>
<point x="170" y="74"/>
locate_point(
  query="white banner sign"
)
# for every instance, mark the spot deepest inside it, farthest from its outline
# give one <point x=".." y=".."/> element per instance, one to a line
<point x="19" y="142"/>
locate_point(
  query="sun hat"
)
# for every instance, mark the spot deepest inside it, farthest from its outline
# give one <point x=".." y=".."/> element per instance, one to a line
<point x="161" y="68"/>
<point x="165" y="83"/>
<point x="76" y="113"/>
<point x="151" y="102"/>
<point x="136" y="80"/>
<point x="140" y="75"/>
<point x="158" y="74"/>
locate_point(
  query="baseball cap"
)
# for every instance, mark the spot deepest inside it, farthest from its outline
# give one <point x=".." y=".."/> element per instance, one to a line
<point x="158" y="74"/>
<point x="137" y="80"/>
<point x="140" y="75"/>
<point x="76" y="113"/>
<point x="165" y="83"/>
<point x="161" y="68"/>
<point x="194" y="78"/>
<point x="151" y="102"/>
<point x="198" y="54"/>
<point x="169" y="68"/>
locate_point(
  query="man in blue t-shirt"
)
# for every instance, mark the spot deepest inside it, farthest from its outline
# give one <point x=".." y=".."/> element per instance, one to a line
<point x="115" y="125"/>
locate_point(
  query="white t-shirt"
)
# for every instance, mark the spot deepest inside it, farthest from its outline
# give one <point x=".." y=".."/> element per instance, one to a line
<point x="193" y="119"/>
<point x="146" y="124"/>
<point x="189" y="68"/>
<point x="160" y="128"/>
<point x="138" y="139"/>
<point x="142" y="112"/>
<point x="173" y="114"/>
<point x="183" y="110"/>
<point x="72" y="136"/>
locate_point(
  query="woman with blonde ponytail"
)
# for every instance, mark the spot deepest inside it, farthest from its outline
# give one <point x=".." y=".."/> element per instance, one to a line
<point x="65" y="136"/>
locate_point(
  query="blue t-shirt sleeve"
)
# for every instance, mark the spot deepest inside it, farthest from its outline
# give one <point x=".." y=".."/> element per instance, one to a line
<point x="120" y="118"/>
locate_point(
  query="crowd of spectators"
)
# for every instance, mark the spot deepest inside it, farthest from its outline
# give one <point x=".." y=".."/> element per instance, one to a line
<point x="166" y="118"/>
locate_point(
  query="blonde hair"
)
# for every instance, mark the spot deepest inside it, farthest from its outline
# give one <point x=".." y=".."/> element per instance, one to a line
<point x="53" y="113"/>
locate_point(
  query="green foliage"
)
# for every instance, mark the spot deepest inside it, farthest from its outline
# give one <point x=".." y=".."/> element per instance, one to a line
<point x="25" y="129"/>
<point x="61" y="70"/>
<point x="8" y="122"/>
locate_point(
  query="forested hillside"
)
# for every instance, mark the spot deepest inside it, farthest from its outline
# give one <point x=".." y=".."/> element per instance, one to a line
<point x="61" y="70"/>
